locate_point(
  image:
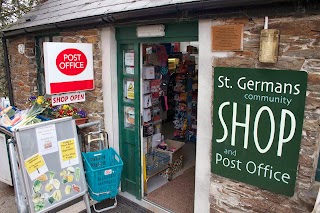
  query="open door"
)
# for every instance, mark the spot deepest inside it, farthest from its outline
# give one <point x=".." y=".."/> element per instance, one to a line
<point x="129" y="117"/>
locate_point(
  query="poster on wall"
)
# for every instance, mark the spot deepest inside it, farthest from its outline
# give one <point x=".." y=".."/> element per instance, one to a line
<point x="257" y="126"/>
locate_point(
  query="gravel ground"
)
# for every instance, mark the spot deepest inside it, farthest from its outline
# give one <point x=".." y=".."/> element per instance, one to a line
<point x="7" y="199"/>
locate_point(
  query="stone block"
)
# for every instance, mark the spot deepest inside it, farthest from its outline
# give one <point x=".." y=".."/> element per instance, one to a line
<point x="284" y="63"/>
<point x="306" y="161"/>
<point x="90" y="32"/>
<point x="234" y="62"/>
<point x="90" y="39"/>
<point x="312" y="103"/>
<point x="302" y="53"/>
<point x="70" y="39"/>
<point x="312" y="125"/>
<point x="313" y="82"/>
<point x="312" y="65"/>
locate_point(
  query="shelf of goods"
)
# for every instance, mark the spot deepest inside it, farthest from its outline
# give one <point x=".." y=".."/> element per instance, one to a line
<point x="185" y="97"/>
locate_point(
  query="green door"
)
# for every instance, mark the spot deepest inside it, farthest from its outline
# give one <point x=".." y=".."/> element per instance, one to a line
<point x="128" y="66"/>
<point x="129" y="117"/>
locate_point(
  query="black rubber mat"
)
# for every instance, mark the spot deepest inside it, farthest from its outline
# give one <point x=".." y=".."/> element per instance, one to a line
<point x="124" y="206"/>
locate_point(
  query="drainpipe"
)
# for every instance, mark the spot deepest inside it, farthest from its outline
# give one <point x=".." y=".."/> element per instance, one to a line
<point x="7" y="69"/>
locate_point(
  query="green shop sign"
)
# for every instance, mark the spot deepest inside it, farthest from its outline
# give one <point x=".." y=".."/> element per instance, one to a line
<point x="257" y="125"/>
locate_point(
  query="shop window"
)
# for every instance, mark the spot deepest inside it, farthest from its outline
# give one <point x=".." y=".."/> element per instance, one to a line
<point x="318" y="171"/>
<point x="40" y="63"/>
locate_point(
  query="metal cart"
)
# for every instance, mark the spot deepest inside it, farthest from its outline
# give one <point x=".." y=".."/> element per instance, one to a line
<point x="103" y="167"/>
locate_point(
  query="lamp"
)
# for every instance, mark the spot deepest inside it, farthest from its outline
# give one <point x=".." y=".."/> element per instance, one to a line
<point x="269" y="44"/>
<point x="151" y="31"/>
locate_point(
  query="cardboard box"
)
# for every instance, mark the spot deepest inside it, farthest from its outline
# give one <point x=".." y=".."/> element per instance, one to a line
<point x="178" y="149"/>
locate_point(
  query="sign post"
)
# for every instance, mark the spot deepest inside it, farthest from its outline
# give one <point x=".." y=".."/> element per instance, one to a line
<point x="257" y="126"/>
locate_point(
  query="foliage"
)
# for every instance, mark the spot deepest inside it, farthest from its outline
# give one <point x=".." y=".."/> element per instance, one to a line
<point x="59" y="111"/>
<point x="45" y="103"/>
<point x="68" y="110"/>
<point x="11" y="11"/>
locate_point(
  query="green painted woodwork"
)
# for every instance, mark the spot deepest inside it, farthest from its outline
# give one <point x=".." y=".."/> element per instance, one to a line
<point x="257" y="125"/>
<point x="173" y="32"/>
<point x="130" y="145"/>
<point x="130" y="139"/>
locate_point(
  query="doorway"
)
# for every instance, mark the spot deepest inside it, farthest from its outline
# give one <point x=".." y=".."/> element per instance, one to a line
<point x="148" y="118"/>
<point x="169" y="92"/>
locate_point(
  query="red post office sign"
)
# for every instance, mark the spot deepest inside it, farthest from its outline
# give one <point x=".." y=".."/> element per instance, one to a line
<point x="68" y="67"/>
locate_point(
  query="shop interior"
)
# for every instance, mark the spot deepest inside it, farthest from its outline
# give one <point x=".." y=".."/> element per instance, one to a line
<point x="169" y="95"/>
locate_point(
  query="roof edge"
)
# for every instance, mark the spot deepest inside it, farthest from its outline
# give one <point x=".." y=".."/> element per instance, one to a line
<point x="120" y="17"/>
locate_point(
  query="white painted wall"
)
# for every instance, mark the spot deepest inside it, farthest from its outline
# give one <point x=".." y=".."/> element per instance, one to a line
<point x="110" y="85"/>
<point x="204" y="122"/>
<point x="205" y="97"/>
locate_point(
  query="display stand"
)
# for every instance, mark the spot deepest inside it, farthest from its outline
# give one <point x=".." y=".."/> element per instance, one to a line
<point x="51" y="163"/>
<point x="185" y="97"/>
<point x="5" y="172"/>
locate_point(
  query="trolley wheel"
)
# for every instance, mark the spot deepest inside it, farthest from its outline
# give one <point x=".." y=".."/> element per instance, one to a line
<point x="107" y="208"/>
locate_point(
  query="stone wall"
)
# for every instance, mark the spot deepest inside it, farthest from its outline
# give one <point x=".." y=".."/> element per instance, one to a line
<point x="24" y="70"/>
<point x="299" y="50"/>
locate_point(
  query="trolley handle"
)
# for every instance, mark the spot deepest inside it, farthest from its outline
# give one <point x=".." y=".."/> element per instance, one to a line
<point x="102" y="137"/>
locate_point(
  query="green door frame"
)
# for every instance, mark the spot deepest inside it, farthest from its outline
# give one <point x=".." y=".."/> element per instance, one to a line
<point x="126" y="38"/>
<point x="129" y="136"/>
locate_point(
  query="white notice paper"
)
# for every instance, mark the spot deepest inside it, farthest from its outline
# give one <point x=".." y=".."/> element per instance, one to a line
<point x="129" y="59"/>
<point x="68" y="153"/>
<point x="35" y="166"/>
<point x="47" y="139"/>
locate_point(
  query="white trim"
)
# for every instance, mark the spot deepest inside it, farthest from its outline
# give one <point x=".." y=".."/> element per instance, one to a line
<point x="204" y="128"/>
<point x="141" y="114"/>
<point x="110" y="85"/>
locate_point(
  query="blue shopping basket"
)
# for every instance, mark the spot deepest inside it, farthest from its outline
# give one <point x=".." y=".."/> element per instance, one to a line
<point x="103" y="173"/>
<point x="103" y="169"/>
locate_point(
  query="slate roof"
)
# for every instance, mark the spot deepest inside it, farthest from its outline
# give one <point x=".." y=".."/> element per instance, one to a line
<point x="54" y="11"/>
<point x="58" y="14"/>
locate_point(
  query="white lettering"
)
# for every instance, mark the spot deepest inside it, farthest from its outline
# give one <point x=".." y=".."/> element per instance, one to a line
<point x="283" y="140"/>
<point x="272" y="129"/>
<point x="225" y="129"/>
<point x="245" y="125"/>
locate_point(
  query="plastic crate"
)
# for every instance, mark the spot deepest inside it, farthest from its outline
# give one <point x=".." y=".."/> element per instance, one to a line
<point x="156" y="162"/>
<point x="103" y="173"/>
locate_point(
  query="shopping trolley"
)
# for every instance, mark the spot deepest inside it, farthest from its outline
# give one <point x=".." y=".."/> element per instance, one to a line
<point x="103" y="169"/>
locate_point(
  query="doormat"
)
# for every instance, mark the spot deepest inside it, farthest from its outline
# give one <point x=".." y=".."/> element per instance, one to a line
<point x="124" y="206"/>
<point x="177" y="195"/>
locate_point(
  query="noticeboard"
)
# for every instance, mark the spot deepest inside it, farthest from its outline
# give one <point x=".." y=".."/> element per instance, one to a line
<point x="257" y="126"/>
<point x="51" y="164"/>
